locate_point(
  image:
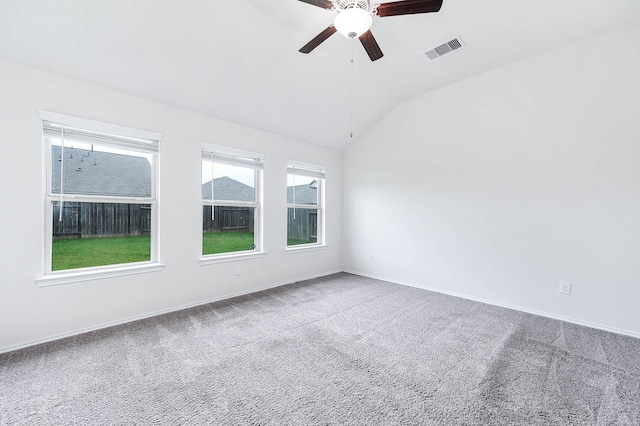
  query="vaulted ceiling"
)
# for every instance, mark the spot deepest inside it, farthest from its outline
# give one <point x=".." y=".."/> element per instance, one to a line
<point x="239" y="60"/>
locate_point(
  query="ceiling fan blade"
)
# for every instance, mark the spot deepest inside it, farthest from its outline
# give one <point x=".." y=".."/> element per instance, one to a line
<point x="371" y="46"/>
<point x="315" y="42"/>
<point x="325" y="4"/>
<point x="408" y="7"/>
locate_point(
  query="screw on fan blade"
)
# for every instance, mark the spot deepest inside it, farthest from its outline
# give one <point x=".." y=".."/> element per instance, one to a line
<point x="328" y="32"/>
<point x="371" y="46"/>
<point x="408" y="7"/>
<point x="325" y="4"/>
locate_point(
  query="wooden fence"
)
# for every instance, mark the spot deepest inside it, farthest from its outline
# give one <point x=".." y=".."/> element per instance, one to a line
<point x="239" y="219"/>
<point x="81" y="220"/>
<point x="304" y="226"/>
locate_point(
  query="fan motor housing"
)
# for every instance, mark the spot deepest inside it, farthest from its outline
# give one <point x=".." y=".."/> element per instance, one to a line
<point x="353" y="4"/>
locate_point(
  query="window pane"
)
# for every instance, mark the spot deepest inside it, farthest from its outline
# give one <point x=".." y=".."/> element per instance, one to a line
<point x="229" y="230"/>
<point x="302" y="190"/>
<point x="230" y="183"/>
<point x="98" y="234"/>
<point x="94" y="170"/>
<point x="302" y="226"/>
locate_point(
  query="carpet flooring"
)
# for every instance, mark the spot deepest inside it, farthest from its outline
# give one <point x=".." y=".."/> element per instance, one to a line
<point x="341" y="349"/>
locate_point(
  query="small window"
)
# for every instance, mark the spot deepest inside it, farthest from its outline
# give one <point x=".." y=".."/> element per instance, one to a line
<point x="100" y="201"/>
<point x="305" y="213"/>
<point x="231" y="192"/>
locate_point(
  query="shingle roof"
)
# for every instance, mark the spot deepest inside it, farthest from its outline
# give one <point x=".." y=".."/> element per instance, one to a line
<point x="225" y="188"/>
<point x="100" y="173"/>
<point x="103" y="173"/>
<point x="305" y="194"/>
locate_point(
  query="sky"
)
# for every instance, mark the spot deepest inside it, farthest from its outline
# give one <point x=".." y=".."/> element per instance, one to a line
<point x="241" y="174"/>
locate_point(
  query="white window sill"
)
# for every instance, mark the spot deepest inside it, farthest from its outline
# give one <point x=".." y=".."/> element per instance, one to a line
<point x="74" y="276"/>
<point x="305" y="247"/>
<point x="230" y="257"/>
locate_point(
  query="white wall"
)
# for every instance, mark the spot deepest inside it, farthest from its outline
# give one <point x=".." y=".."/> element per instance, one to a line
<point x="29" y="313"/>
<point x="502" y="185"/>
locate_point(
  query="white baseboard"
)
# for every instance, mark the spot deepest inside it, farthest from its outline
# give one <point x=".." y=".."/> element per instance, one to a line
<point x="502" y="305"/>
<point x="160" y="312"/>
<point x="279" y="284"/>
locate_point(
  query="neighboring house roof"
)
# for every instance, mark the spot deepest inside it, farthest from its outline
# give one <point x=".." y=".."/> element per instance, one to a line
<point x="100" y="173"/>
<point x="225" y="188"/>
<point x="305" y="194"/>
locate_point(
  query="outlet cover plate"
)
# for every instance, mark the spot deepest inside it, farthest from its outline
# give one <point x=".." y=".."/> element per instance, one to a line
<point x="565" y="287"/>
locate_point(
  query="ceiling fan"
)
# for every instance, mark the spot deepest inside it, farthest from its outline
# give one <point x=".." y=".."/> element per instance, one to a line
<point x="355" y="17"/>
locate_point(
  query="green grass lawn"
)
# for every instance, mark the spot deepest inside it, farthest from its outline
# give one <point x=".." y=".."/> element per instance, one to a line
<point x="86" y="252"/>
<point x="294" y="242"/>
<point x="226" y="242"/>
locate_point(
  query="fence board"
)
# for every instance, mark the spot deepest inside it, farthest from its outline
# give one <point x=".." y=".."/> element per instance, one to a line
<point x="228" y="219"/>
<point x="304" y="226"/>
<point x="101" y="219"/>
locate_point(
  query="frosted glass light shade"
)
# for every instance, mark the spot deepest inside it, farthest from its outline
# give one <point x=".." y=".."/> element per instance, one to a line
<point x="352" y="23"/>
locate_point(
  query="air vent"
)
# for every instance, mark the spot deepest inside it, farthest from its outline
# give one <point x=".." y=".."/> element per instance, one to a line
<point x="445" y="48"/>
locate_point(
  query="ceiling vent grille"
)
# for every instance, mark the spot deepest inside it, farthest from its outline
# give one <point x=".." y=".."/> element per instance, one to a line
<point x="445" y="48"/>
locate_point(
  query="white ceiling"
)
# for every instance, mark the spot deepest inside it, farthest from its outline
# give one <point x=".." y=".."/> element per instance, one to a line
<point x="239" y="60"/>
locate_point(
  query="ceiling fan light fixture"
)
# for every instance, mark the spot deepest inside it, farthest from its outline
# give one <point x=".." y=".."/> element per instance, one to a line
<point x="353" y="22"/>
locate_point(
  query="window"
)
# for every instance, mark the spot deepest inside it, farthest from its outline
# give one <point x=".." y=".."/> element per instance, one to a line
<point x="231" y="193"/>
<point x="305" y="195"/>
<point x="100" y="198"/>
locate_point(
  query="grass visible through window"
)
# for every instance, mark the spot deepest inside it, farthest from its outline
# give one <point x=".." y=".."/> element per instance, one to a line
<point x="226" y="242"/>
<point x="86" y="252"/>
<point x="294" y="242"/>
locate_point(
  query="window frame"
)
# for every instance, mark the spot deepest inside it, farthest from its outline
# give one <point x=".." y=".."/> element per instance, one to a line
<point x="243" y="158"/>
<point x="317" y="171"/>
<point x="148" y="143"/>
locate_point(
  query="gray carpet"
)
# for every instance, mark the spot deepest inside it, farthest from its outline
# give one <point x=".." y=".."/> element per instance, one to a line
<point x="336" y="350"/>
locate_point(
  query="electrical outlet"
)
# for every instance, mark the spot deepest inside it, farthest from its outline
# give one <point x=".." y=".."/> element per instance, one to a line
<point x="369" y="257"/>
<point x="565" y="287"/>
<point x="238" y="269"/>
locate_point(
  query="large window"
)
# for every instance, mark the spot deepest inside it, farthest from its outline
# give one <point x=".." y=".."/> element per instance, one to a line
<point x="231" y="193"/>
<point x="100" y="202"/>
<point x="305" y="195"/>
